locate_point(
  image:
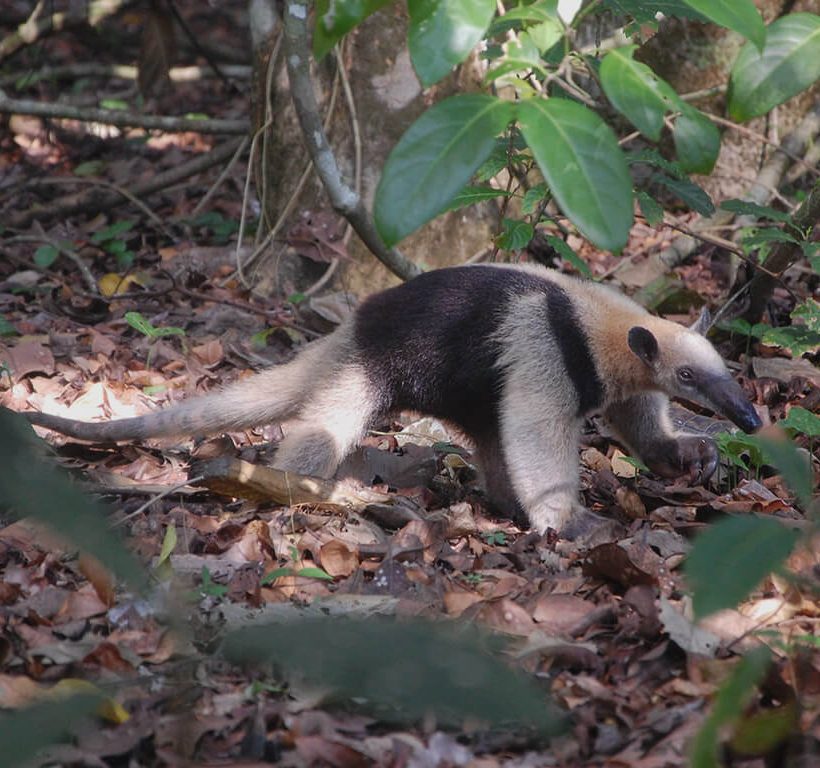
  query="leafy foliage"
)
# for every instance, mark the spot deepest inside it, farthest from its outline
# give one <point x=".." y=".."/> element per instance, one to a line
<point x="732" y="557"/>
<point x="439" y="669"/>
<point x="574" y="149"/>
<point x="788" y="64"/>
<point x="32" y="486"/>
<point x="729" y="704"/>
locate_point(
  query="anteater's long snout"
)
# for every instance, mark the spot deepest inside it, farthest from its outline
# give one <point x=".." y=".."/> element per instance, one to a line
<point x="725" y="394"/>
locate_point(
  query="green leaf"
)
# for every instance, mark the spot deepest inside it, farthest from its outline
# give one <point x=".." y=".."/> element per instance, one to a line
<point x="115" y="104"/>
<point x="314" y="573"/>
<point x="141" y="324"/>
<point x="735" y="445"/>
<point x="533" y="198"/>
<point x="802" y="420"/>
<point x="209" y="587"/>
<point x="654" y="158"/>
<point x="6" y="328"/>
<point x="645" y="12"/>
<point x="473" y="195"/>
<point x="794" y="466"/>
<point x="169" y="543"/>
<point x="30" y="485"/>
<point x="738" y="15"/>
<point x="520" y="55"/>
<point x="747" y="208"/>
<point x="691" y="194"/>
<point x="415" y="668"/>
<point x="729" y="705"/>
<point x="113" y="231"/>
<point x="788" y="64"/>
<point x="809" y="313"/>
<point x="335" y="19"/>
<point x="24" y="732"/>
<point x="273" y="575"/>
<point x="90" y="168"/>
<point x="764" y="236"/>
<point x="651" y="209"/>
<point x="568" y="255"/>
<point x="443" y="32"/>
<point x="435" y="159"/>
<point x="540" y="11"/>
<point x="45" y="256"/>
<point x="697" y="141"/>
<point x="732" y="557"/>
<point x="583" y="165"/>
<point x="636" y="91"/>
<point x="145" y="327"/>
<point x="546" y="34"/>
<point x="796" y="338"/>
<point x="515" y="235"/>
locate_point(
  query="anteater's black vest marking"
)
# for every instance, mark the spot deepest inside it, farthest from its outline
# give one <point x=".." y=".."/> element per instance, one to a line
<point x="574" y="345"/>
<point x="430" y="344"/>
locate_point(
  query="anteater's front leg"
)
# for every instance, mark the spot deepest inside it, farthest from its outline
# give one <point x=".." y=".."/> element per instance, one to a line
<point x="541" y="453"/>
<point x="643" y="424"/>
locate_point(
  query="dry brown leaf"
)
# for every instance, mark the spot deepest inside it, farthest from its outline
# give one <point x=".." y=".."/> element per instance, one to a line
<point x="338" y="559"/>
<point x="558" y="614"/>
<point x="506" y="616"/>
<point x="456" y="601"/>
<point x="100" y="578"/>
<point x="29" y="355"/>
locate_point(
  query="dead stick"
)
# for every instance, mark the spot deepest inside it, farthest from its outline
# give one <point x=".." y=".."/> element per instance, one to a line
<point x="98" y="199"/>
<point x="122" y="119"/>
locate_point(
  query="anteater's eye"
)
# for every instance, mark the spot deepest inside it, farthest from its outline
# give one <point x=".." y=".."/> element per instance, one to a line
<point x="686" y="375"/>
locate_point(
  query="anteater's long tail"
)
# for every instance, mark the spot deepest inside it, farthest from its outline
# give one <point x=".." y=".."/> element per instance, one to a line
<point x="275" y="394"/>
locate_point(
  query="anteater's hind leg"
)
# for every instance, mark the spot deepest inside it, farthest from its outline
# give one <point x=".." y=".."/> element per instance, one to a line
<point x="329" y="426"/>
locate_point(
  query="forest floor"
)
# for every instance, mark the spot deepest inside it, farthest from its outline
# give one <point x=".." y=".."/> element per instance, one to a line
<point x="603" y="632"/>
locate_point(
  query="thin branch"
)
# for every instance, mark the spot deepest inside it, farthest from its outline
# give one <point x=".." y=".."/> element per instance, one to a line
<point x="101" y="200"/>
<point x="188" y="74"/>
<point x="342" y="197"/>
<point x="122" y="119"/>
<point x="222" y="176"/>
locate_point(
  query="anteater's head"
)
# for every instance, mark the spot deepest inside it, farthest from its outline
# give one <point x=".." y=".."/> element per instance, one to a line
<point x="682" y="363"/>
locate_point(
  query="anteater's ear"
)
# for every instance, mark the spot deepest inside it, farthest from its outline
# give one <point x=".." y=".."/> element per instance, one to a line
<point x="703" y="323"/>
<point x="644" y="344"/>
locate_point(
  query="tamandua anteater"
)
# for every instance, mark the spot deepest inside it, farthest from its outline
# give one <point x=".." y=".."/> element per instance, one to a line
<point x="514" y="356"/>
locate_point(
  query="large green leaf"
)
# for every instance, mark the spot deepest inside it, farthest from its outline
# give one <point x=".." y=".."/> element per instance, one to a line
<point x="415" y="668"/>
<point x="647" y="12"/>
<point x="435" y="159"/>
<point x="636" y="91"/>
<point x="789" y="63"/>
<point x="583" y="165"/>
<point x="443" y="32"/>
<point x="739" y="15"/>
<point x="31" y="486"/>
<point x="729" y="705"/>
<point x="25" y="732"/>
<point x="335" y="19"/>
<point x="697" y="141"/>
<point x="731" y="558"/>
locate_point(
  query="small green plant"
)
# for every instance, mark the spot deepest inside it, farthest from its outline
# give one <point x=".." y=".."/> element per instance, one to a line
<point x="742" y="451"/>
<point x="495" y="538"/>
<point x="221" y="227"/>
<point x="113" y="240"/>
<point x="208" y="587"/>
<point x="308" y="572"/>
<point x="151" y="332"/>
